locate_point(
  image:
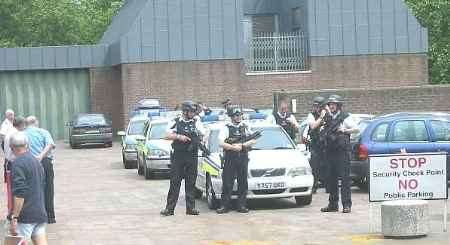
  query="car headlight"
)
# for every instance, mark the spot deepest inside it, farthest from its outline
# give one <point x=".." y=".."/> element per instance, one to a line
<point x="130" y="147"/>
<point x="299" y="171"/>
<point x="158" y="153"/>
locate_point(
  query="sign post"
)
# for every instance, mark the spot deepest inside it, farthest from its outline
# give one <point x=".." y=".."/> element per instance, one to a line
<point x="409" y="176"/>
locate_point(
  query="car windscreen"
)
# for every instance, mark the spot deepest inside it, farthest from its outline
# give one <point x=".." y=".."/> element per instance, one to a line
<point x="158" y="131"/>
<point x="136" y="128"/>
<point x="273" y="138"/>
<point x="213" y="141"/>
<point x="91" y="120"/>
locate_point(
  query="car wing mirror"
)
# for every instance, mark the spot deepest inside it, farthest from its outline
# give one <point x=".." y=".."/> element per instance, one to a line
<point x="121" y="133"/>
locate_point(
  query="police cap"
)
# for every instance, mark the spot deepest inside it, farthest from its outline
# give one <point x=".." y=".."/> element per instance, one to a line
<point x="335" y="99"/>
<point x="235" y="111"/>
<point x="318" y="100"/>
<point x="188" y="106"/>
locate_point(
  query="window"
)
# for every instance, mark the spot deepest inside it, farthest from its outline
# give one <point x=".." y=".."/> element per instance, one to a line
<point x="380" y="133"/>
<point x="158" y="131"/>
<point x="213" y="141"/>
<point x="136" y="128"/>
<point x="296" y="17"/>
<point x="410" y="131"/>
<point x="441" y="130"/>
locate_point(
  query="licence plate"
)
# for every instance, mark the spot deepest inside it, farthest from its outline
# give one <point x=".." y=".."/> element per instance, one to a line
<point x="276" y="185"/>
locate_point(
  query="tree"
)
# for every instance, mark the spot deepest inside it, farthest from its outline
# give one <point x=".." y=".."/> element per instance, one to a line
<point x="435" y="15"/>
<point x="25" y="23"/>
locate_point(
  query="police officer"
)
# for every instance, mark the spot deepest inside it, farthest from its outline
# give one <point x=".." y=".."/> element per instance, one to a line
<point x="285" y="119"/>
<point x="314" y="122"/>
<point x="184" y="165"/>
<point x="235" y="161"/>
<point x="336" y="133"/>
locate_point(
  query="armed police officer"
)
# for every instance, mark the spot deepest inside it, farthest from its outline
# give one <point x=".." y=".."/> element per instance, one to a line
<point x="336" y="137"/>
<point x="285" y="119"/>
<point x="314" y="123"/>
<point x="186" y="132"/>
<point x="235" y="160"/>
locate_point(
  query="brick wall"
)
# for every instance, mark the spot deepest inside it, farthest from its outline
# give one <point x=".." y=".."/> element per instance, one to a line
<point x="106" y="94"/>
<point x="379" y="100"/>
<point x="212" y="81"/>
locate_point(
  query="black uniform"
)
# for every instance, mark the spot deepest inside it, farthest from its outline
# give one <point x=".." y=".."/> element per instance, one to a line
<point x="282" y="121"/>
<point x="338" y="162"/>
<point x="235" y="166"/>
<point x="184" y="165"/>
<point x="317" y="152"/>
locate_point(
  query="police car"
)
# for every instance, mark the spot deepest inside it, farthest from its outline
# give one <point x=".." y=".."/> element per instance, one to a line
<point x="134" y="129"/>
<point x="153" y="151"/>
<point x="277" y="168"/>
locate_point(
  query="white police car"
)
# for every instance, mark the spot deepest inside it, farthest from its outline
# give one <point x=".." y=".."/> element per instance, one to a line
<point x="153" y="151"/>
<point x="134" y="129"/>
<point x="277" y="168"/>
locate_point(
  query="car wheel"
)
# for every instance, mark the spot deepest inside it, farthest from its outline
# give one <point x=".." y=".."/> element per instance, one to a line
<point x="140" y="170"/>
<point x="303" y="200"/>
<point x="147" y="172"/>
<point x="213" y="203"/>
<point x="363" y="184"/>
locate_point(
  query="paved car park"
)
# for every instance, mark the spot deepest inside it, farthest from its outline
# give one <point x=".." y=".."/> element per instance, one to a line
<point x="97" y="201"/>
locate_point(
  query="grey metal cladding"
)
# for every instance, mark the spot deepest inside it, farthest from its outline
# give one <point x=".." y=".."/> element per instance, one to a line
<point x="355" y="27"/>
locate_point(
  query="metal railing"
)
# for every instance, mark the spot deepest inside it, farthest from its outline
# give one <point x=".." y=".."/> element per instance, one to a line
<point x="278" y="52"/>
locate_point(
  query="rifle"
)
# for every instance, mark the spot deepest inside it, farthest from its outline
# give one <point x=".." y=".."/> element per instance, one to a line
<point x="197" y="143"/>
<point x="253" y="136"/>
<point x="329" y="131"/>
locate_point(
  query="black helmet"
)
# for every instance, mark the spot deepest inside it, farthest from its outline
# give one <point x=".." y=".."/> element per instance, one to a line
<point x="318" y="100"/>
<point x="335" y="99"/>
<point x="188" y="106"/>
<point x="234" y="111"/>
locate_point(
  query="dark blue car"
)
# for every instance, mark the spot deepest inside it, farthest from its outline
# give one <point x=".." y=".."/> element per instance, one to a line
<point x="389" y="134"/>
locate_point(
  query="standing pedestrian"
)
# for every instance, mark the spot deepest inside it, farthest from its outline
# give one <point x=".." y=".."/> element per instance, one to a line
<point x="7" y="125"/>
<point x="235" y="161"/>
<point x="19" y="125"/>
<point x="336" y="137"/>
<point x="42" y="147"/>
<point x="185" y="132"/>
<point x="28" y="218"/>
<point x="315" y="121"/>
<point x="285" y="119"/>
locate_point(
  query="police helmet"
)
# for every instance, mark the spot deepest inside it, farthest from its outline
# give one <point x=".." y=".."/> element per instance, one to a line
<point x="188" y="106"/>
<point x="318" y="100"/>
<point x="235" y="111"/>
<point x="335" y="99"/>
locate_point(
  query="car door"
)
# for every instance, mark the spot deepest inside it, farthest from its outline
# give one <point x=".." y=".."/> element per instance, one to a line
<point x="411" y="135"/>
<point x="378" y="140"/>
<point x="209" y="163"/>
<point x="440" y="133"/>
<point x="141" y="144"/>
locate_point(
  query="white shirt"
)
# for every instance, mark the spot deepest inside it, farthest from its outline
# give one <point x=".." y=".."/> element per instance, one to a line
<point x="6" y="126"/>
<point x="198" y="126"/>
<point x="9" y="155"/>
<point x="348" y="122"/>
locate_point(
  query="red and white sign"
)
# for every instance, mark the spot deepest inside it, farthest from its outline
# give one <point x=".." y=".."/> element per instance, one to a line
<point x="408" y="177"/>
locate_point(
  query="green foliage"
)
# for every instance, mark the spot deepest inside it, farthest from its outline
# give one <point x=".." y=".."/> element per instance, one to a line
<point x="25" y="23"/>
<point x="435" y="15"/>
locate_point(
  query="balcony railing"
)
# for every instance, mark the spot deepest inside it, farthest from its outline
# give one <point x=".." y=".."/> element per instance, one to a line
<point x="278" y="52"/>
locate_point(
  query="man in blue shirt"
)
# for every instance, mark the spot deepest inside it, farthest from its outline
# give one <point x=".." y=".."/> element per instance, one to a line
<point x="28" y="218"/>
<point x="41" y="147"/>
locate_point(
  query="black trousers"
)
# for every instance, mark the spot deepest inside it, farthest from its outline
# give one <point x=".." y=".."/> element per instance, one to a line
<point x="235" y="167"/>
<point x="316" y="165"/>
<point x="184" y="166"/>
<point x="339" y="166"/>
<point x="49" y="189"/>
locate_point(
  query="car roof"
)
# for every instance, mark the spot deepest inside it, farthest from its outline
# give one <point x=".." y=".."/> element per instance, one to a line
<point x="412" y="115"/>
<point x="139" y="118"/>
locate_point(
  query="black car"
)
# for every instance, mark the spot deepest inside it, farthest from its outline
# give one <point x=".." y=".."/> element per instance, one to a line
<point x="90" y="129"/>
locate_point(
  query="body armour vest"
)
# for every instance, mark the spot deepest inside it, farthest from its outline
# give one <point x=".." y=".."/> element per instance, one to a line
<point x="314" y="133"/>
<point x="187" y="129"/>
<point x="338" y="140"/>
<point x="282" y="121"/>
<point x="235" y="132"/>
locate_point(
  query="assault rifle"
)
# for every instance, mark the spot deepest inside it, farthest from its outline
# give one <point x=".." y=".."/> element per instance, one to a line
<point x="253" y="136"/>
<point x="197" y="143"/>
<point x="328" y="134"/>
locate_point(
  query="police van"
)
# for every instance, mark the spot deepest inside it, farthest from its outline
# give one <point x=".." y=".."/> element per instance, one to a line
<point x="277" y="168"/>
